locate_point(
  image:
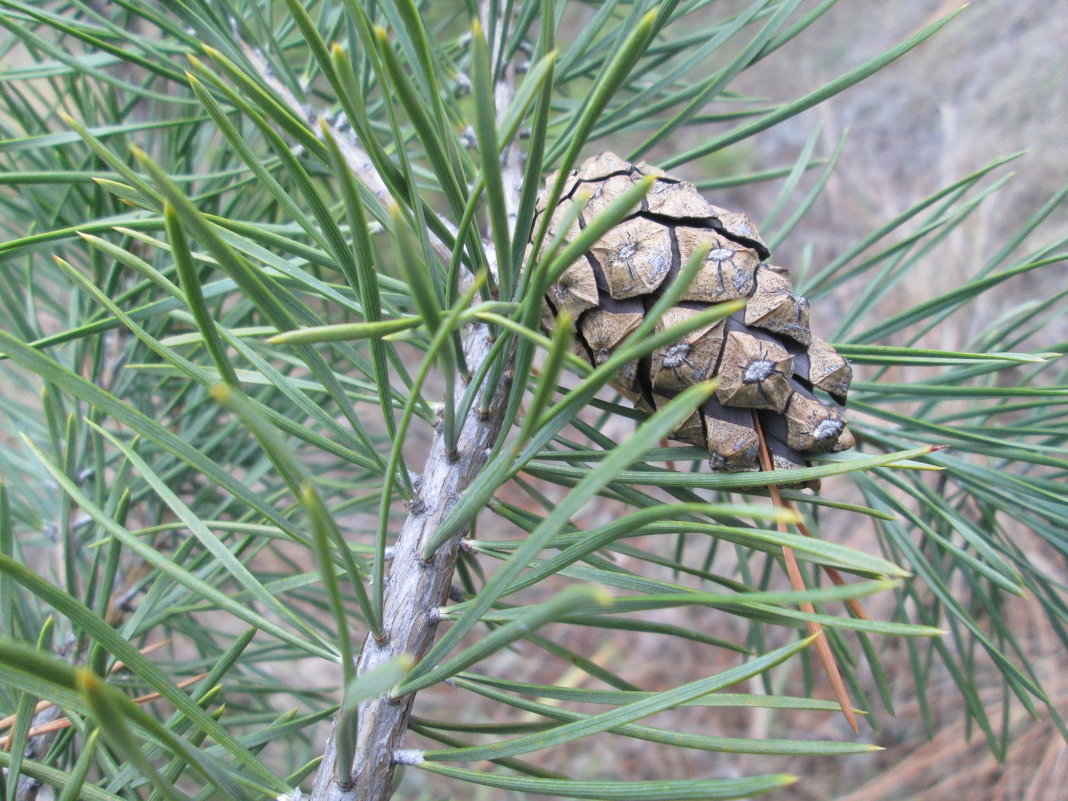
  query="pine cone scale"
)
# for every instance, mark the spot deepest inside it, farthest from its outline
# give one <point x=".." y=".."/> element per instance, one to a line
<point x="766" y="358"/>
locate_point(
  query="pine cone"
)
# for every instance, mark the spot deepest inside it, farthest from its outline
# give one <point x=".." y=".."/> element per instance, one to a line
<point x="765" y="356"/>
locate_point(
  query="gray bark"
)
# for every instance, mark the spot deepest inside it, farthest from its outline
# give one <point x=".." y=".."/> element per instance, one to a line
<point x="416" y="590"/>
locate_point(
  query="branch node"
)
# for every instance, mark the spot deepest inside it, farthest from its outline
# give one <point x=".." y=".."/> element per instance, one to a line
<point x="407" y="756"/>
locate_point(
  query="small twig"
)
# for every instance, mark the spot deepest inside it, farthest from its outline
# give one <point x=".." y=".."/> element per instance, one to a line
<point x="48" y="717"/>
<point x="356" y="157"/>
<point x="797" y="581"/>
<point x="832" y="573"/>
<point x="9" y="721"/>
<point x="63" y="722"/>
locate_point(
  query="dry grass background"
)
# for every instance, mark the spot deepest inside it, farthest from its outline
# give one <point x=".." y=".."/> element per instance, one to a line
<point x="993" y="83"/>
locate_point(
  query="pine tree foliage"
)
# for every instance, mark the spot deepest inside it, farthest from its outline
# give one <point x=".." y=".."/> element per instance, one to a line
<point x="272" y="291"/>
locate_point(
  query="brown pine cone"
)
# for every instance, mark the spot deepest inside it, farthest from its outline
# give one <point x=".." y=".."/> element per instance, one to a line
<point x="765" y="356"/>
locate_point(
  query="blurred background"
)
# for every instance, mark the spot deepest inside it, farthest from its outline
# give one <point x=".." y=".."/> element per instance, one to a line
<point x="994" y="82"/>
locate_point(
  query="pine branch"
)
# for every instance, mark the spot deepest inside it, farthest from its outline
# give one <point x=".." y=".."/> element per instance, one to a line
<point x="416" y="588"/>
<point x="415" y="591"/>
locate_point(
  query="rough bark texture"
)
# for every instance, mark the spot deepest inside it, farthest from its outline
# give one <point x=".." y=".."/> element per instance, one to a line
<point x="415" y="591"/>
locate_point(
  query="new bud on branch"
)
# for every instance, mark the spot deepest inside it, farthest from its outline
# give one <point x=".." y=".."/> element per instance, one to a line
<point x="765" y="356"/>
